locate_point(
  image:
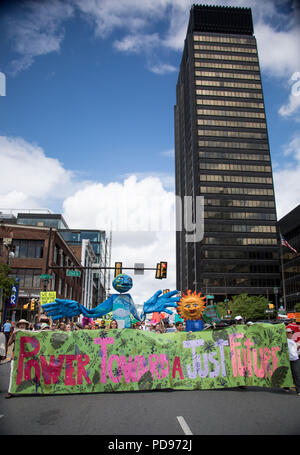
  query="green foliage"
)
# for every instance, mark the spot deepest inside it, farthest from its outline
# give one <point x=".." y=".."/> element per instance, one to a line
<point x="249" y="307"/>
<point x="5" y="282"/>
<point x="297" y="308"/>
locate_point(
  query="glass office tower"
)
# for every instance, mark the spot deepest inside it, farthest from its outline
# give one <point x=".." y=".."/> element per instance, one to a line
<point x="222" y="153"/>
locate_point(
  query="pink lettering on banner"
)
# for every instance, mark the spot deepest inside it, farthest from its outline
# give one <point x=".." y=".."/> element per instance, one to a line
<point x="83" y="360"/>
<point x="32" y="363"/>
<point x="110" y="367"/>
<point x="51" y="371"/>
<point x="177" y="368"/>
<point x="103" y="343"/>
<point x="274" y="357"/>
<point x="129" y="369"/>
<point x="242" y="368"/>
<point x="23" y="354"/>
<point x="69" y="378"/>
<point x="234" y="345"/>
<point x="142" y="367"/>
<point x="153" y="362"/>
<point x="259" y="372"/>
<point x="267" y="367"/>
<point x="165" y="366"/>
<point x="248" y="343"/>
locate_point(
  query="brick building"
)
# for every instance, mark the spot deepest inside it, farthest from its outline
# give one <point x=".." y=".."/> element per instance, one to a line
<point x="31" y="251"/>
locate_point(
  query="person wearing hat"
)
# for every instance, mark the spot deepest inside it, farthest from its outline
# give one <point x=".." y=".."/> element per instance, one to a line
<point x="45" y="326"/>
<point x="22" y="324"/>
<point x="294" y="359"/>
<point x="238" y="320"/>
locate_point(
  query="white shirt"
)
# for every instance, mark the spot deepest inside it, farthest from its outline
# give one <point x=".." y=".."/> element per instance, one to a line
<point x="293" y="354"/>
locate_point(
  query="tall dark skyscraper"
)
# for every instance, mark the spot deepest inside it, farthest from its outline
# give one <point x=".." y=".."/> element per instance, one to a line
<point x="222" y="153"/>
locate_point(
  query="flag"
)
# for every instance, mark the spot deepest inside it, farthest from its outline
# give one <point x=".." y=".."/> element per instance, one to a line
<point x="284" y="242"/>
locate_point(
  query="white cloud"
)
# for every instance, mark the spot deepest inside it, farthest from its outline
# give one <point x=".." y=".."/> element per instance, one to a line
<point x="141" y="215"/>
<point x="36" y="29"/>
<point x="278" y="50"/>
<point x="287" y="179"/>
<point x="137" y="43"/>
<point x="29" y="177"/>
<point x="162" y="68"/>
<point x="293" y="104"/>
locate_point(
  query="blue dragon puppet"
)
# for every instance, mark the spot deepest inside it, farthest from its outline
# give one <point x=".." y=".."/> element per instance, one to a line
<point x="120" y="304"/>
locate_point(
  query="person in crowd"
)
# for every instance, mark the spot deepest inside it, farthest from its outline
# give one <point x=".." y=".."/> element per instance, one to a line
<point x="7" y="328"/>
<point x="294" y="350"/>
<point x="45" y="326"/>
<point x="22" y="324"/>
<point x="113" y="324"/>
<point x="179" y="326"/>
<point x="62" y="326"/>
<point x="102" y="324"/>
<point x="158" y="330"/>
<point x="78" y="326"/>
<point x="238" y="320"/>
<point x="68" y="328"/>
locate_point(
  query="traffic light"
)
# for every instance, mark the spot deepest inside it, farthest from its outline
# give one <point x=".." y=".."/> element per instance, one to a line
<point x="163" y="269"/>
<point x="118" y="268"/>
<point x="271" y="306"/>
<point x="26" y="306"/>
<point x="32" y="304"/>
<point x="157" y="273"/>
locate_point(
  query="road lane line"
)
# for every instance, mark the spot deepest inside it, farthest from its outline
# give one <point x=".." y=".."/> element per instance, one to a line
<point x="184" y="425"/>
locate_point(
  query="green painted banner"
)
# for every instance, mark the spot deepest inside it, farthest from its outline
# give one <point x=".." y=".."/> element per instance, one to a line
<point x="55" y="362"/>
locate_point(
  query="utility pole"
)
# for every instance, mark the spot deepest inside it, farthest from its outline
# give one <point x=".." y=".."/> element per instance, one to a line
<point x="282" y="272"/>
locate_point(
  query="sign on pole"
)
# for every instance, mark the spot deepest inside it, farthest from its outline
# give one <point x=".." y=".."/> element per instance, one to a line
<point x="139" y="269"/>
<point x="47" y="297"/>
<point x="75" y="273"/>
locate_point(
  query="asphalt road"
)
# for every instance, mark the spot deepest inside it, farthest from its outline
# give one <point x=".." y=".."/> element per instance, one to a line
<point x="247" y="411"/>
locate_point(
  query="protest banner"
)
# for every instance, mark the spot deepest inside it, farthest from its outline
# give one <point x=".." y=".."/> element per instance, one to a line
<point x="86" y="361"/>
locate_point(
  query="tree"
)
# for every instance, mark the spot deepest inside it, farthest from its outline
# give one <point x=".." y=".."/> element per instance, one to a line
<point x="249" y="307"/>
<point x="297" y="308"/>
<point x="5" y="282"/>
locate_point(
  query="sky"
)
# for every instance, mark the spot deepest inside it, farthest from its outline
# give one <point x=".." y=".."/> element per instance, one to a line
<point x="87" y="95"/>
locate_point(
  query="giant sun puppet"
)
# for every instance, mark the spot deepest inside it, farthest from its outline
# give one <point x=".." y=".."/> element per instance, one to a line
<point x="120" y="304"/>
<point x="191" y="307"/>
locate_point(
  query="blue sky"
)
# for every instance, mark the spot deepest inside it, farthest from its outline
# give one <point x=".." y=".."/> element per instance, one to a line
<point x="87" y="117"/>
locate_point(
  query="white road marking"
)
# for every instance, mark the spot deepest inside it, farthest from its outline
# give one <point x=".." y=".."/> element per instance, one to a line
<point x="184" y="425"/>
<point x="1" y="415"/>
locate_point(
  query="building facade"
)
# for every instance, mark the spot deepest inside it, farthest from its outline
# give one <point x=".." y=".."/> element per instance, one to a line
<point x="289" y="227"/>
<point x="222" y="155"/>
<point x="37" y="251"/>
<point x="100" y="245"/>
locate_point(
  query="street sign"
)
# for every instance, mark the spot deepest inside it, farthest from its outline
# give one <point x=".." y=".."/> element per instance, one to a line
<point x="139" y="269"/>
<point x="74" y="273"/>
<point x="210" y="296"/>
<point x="47" y="297"/>
<point x="46" y="277"/>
